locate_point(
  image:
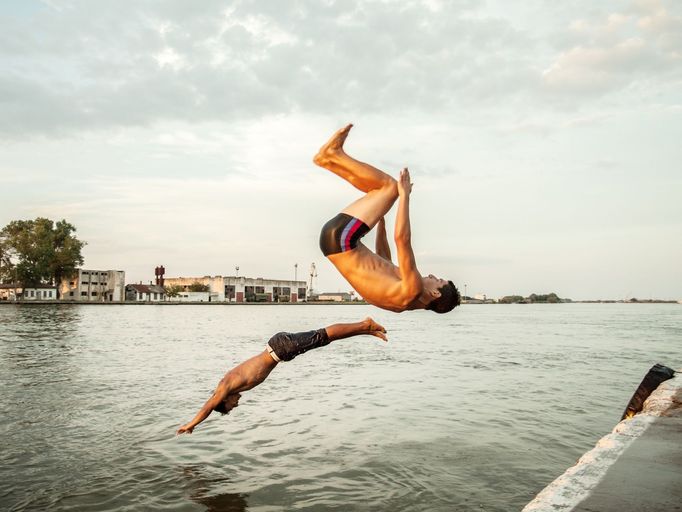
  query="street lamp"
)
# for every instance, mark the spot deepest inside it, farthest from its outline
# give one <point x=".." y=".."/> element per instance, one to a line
<point x="295" y="272"/>
<point x="237" y="270"/>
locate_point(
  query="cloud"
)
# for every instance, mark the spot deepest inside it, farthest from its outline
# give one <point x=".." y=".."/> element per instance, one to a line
<point x="618" y="51"/>
<point x="141" y="62"/>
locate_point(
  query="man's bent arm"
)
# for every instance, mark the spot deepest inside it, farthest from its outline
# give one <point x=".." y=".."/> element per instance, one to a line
<point x="409" y="275"/>
<point x="382" y="247"/>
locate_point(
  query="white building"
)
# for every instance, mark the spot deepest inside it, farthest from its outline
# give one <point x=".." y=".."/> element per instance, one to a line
<point x="39" y="292"/>
<point x="335" y="296"/>
<point x="145" y="293"/>
<point x="94" y="286"/>
<point x="192" y="297"/>
<point x="244" y="289"/>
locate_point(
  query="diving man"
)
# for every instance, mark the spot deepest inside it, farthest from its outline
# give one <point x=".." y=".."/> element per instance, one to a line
<point x="282" y="346"/>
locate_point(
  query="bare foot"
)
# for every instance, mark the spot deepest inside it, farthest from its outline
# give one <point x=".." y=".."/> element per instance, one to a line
<point x="375" y="329"/>
<point x="333" y="147"/>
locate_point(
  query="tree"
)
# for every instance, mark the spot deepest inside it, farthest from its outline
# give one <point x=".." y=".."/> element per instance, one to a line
<point x="173" y="290"/>
<point x="196" y="286"/>
<point x="7" y="269"/>
<point x="39" y="251"/>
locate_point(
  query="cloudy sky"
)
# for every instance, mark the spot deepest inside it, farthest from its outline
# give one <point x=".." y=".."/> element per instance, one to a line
<point x="544" y="138"/>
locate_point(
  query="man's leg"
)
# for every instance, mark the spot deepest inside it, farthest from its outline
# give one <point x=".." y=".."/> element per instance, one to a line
<point x="285" y="346"/>
<point x="380" y="189"/>
<point x="367" y="326"/>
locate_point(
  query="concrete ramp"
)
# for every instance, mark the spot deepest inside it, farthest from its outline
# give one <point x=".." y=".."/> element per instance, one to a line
<point x="637" y="467"/>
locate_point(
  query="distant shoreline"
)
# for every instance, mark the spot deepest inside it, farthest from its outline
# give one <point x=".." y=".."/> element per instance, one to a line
<point x="314" y="303"/>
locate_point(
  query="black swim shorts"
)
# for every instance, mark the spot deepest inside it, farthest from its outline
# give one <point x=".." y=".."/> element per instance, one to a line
<point x="341" y="234"/>
<point x="284" y="346"/>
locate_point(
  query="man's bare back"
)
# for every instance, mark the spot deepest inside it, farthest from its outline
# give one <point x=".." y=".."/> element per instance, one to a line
<point x="373" y="275"/>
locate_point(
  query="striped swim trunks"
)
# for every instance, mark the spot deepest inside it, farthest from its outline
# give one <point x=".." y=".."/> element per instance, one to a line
<point x="341" y="234"/>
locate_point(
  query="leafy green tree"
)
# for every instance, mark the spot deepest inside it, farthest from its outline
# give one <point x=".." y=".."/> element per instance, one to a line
<point x="40" y="250"/>
<point x="196" y="286"/>
<point x="173" y="290"/>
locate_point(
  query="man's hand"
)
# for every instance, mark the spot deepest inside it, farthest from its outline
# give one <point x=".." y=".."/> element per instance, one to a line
<point x="185" y="429"/>
<point x="404" y="184"/>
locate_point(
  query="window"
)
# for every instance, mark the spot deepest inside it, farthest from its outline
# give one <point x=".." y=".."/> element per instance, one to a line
<point x="286" y="291"/>
<point x="33" y="293"/>
<point x="84" y="282"/>
<point x="301" y="293"/>
<point x="72" y="283"/>
<point x="155" y="295"/>
<point x="260" y="289"/>
<point x="94" y="294"/>
<point x="84" y="294"/>
<point x="70" y="294"/>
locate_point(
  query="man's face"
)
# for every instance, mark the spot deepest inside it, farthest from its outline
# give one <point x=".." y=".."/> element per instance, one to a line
<point x="433" y="283"/>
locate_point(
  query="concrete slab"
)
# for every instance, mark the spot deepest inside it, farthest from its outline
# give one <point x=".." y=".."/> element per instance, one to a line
<point x="637" y="467"/>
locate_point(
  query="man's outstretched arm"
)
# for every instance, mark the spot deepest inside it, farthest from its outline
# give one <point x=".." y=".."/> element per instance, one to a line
<point x="411" y="280"/>
<point x="243" y="377"/>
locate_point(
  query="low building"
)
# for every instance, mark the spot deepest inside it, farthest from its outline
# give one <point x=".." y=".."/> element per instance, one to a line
<point x="192" y="297"/>
<point x="39" y="292"/>
<point x="243" y="289"/>
<point x="10" y="292"/>
<point x="94" y="286"/>
<point x="335" y="297"/>
<point x="145" y="293"/>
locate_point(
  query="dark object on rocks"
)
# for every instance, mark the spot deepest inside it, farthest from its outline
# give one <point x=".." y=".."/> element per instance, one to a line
<point x="652" y="379"/>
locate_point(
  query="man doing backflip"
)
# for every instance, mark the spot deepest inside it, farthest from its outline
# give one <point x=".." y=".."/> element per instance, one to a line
<point x="373" y="274"/>
<point x="283" y="346"/>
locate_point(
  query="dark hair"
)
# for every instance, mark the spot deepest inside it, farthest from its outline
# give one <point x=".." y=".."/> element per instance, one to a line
<point x="449" y="299"/>
<point x="221" y="408"/>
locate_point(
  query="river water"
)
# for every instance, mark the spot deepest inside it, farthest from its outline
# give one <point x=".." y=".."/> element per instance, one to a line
<point x="475" y="410"/>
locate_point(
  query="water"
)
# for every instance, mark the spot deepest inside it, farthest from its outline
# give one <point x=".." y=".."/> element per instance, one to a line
<point x="475" y="410"/>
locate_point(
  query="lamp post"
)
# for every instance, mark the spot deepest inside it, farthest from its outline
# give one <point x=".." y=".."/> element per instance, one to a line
<point x="237" y="270"/>
<point x="295" y="272"/>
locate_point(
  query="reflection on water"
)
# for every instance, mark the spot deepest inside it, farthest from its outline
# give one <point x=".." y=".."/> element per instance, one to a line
<point x="203" y="490"/>
<point x="477" y="410"/>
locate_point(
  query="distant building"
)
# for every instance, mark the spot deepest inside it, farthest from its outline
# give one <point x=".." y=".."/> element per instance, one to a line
<point x="10" y="292"/>
<point x="39" y="292"/>
<point x="94" y="286"/>
<point x="145" y="293"/>
<point x="192" y="297"/>
<point x="335" y="297"/>
<point x="244" y="289"/>
<point x="14" y="292"/>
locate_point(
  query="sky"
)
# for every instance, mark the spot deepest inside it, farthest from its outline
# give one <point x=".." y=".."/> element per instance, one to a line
<point x="543" y="137"/>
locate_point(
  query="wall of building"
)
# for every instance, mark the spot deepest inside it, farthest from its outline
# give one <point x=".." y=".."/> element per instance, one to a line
<point x="192" y="297"/>
<point x="241" y="289"/>
<point x="94" y="286"/>
<point x="39" y="293"/>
